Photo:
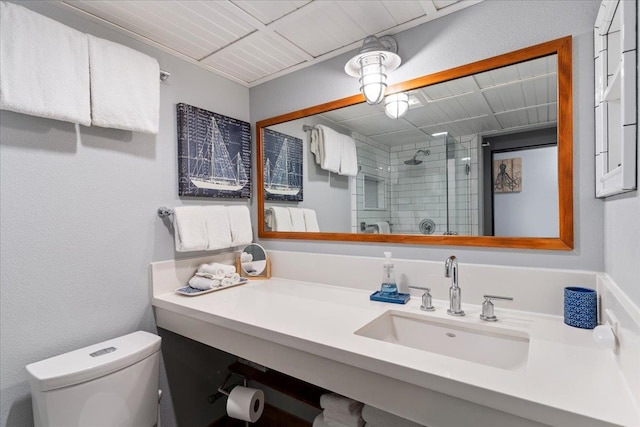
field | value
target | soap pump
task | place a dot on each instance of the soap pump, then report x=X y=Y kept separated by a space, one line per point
x=389 y=287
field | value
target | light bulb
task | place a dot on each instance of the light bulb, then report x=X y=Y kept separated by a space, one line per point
x=372 y=77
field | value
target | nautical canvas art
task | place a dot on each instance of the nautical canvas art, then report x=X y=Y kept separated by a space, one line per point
x=214 y=154
x=282 y=166
x=507 y=175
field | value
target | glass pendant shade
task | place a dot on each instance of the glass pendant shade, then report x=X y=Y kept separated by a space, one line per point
x=376 y=58
x=396 y=105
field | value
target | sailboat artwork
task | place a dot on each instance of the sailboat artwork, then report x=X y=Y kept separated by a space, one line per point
x=282 y=166
x=214 y=154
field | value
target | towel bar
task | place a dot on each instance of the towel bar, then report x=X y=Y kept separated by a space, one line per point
x=164 y=212
x=307 y=128
x=164 y=75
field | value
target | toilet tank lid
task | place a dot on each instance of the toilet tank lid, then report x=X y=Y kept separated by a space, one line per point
x=92 y=362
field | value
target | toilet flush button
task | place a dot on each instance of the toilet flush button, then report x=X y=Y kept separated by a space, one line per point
x=103 y=352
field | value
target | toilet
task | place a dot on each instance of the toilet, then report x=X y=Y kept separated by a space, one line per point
x=114 y=383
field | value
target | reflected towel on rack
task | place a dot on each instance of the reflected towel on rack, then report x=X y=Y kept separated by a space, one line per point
x=383 y=227
x=190 y=229
x=329 y=148
x=281 y=219
x=125 y=88
x=314 y=145
x=310 y=220
x=297 y=219
x=240 y=225
x=348 y=157
x=218 y=229
x=45 y=66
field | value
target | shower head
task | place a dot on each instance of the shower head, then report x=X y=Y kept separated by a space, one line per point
x=414 y=160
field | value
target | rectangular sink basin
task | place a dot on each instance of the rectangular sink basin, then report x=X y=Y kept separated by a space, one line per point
x=484 y=344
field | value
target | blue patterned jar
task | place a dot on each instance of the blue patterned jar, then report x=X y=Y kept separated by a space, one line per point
x=580 y=307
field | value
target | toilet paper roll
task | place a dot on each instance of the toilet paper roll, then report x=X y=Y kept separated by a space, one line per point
x=245 y=403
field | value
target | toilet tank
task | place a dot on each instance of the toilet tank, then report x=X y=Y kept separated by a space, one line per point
x=113 y=383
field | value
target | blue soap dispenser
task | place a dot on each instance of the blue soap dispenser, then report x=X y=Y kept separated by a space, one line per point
x=389 y=287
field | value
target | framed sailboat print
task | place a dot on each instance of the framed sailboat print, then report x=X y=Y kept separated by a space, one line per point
x=214 y=154
x=282 y=166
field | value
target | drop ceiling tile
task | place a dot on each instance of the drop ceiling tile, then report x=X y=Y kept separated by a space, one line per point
x=403 y=137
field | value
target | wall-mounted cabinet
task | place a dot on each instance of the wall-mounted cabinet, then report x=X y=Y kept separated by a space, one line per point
x=615 y=45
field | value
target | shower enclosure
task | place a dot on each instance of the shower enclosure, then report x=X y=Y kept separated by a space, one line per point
x=418 y=188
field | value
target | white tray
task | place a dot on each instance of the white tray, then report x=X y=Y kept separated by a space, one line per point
x=192 y=292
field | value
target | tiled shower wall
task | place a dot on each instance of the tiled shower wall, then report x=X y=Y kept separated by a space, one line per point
x=417 y=192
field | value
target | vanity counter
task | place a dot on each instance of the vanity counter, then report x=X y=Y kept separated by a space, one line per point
x=307 y=330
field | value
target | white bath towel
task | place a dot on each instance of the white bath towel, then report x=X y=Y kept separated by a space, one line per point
x=281 y=219
x=125 y=87
x=240 y=224
x=45 y=67
x=319 y=421
x=310 y=220
x=203 y=283
x=337 y=403
x=190 y=229
x=217 y=269
x=340 y=419
x=297 y=219
x=379 y=418
x=218 y=229
x=349 y=157
x=383 y=227
x=313 y=145
x=329 y=148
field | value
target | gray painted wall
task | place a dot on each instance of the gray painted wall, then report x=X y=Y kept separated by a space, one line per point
x=480 y=31
x=79 y=229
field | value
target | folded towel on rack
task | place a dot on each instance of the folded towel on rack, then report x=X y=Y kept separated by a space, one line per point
x=45 y=66
x=348 y=157
x=297 y=219
x=125 y=87
x=281 y=219
x=335 y=418
x=314 y=145
x=310 y=220
x=329 y=148
x=383 y=227
x=190 y=229
x=218 y=228
x=240 y=224
x=378 y=417
x=338 y=403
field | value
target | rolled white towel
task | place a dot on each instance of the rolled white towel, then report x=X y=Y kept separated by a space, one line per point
x=228 y=281
x=319 y=421
x=378 y=417
x=246 y=257
x=235 y=277
x=217 y=269
x=203 y=283
x=210 y=276
x=338 y=403
x=340 y=419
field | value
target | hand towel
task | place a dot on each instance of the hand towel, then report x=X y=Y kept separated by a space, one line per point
x=330 y=148
x=125 y=87
x=383 y=227
x=339 y=419
x=313 y=146
x=45 y=67
x=190 y=229
x=281 y=219
x=203 y=283
x=240 y=224
x=297 y=219
x=218 y=229
x=319 y=421
x=348 y=157
x=378 y=417
x=310 y=220
x=338 y=403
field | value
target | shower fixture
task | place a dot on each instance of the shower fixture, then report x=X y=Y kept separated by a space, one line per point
x=414 y=160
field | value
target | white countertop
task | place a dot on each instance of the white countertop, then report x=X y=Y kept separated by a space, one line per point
x=566 y=370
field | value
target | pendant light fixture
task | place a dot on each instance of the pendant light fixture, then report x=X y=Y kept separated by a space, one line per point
x=377 y=57
x=396 y=105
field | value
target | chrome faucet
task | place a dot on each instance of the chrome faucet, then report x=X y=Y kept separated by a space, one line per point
x=455 y=294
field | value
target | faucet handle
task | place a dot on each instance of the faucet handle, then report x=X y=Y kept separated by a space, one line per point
x=487 y=307
x=426 y=298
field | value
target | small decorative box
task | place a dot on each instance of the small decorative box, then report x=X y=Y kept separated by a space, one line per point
x=580 y=307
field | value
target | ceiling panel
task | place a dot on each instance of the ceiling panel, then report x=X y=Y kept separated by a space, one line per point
x=212 y=33
x=403 y=137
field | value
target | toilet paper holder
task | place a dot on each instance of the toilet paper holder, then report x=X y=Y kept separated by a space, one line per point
x=222 y=390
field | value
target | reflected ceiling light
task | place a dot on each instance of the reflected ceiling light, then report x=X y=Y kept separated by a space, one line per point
x=377 y=57
x=396 y=105
x=439 y=133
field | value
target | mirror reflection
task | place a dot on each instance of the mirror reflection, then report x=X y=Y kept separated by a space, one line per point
x=472 y=156
x=477 y=155
x=253 y=260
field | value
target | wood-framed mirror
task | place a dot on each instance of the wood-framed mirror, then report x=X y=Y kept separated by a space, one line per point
x=504 y=84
